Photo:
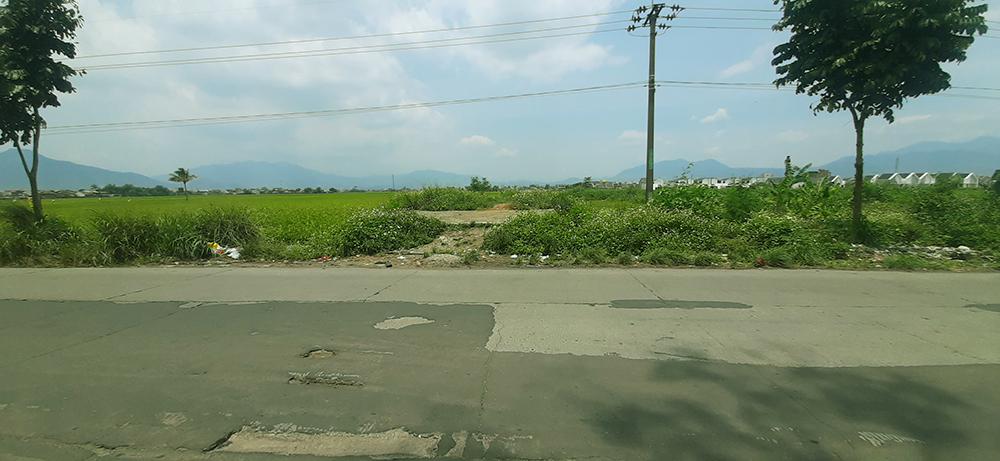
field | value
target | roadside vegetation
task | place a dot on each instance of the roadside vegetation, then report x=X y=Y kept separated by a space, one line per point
x=792 y=223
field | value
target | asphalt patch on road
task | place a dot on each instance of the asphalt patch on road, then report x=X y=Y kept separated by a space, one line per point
x=325 y=379
x=672 y=304
x=319 y=354
x=986 y=307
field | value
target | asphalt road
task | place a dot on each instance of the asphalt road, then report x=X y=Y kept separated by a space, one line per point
x=588 y=364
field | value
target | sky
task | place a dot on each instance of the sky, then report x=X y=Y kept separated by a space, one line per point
x=543 y=138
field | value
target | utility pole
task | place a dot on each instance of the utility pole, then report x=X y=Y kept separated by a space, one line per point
x=651 y=20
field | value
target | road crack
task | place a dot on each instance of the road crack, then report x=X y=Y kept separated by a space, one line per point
x=411 y=274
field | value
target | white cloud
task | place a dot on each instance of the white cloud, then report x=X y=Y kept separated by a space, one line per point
x=477 y=139
x=632 y=135
x=721 y=114
x=792 y=136
x=761 y=56
x=713 y=150
x=505 y=152
x=913 y=118
x=719 y=134
x=541 y=60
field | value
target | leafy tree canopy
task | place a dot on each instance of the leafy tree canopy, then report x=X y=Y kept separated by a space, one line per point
x=32 y=34
x=869 y=56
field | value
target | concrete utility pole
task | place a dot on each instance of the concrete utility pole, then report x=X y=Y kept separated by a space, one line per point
x=651 y=20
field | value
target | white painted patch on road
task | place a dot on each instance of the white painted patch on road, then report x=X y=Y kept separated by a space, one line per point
x=191 y=305
x=402 y=322
x=395 y=443
x=878 y=439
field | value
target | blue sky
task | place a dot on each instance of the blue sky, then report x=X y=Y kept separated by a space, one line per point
x=550 y=138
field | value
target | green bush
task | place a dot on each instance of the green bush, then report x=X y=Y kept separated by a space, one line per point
x=442 y=199
x=228 y=226
x=127 y=237
x=706 y=258
x=470 y=257
x=386 y=229
x=541 y=200
x=592 y=255
x=665 y=257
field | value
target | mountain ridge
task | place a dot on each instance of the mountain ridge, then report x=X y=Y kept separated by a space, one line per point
x=980 y=155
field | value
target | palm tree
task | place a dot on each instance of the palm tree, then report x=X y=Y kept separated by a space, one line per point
x=183 y=176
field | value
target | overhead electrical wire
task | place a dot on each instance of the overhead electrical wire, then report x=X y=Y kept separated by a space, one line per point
x=419 y=45
x=125 y=126
x=404 y=46
x=186 y=13
x=206 y=121
x=357 y=37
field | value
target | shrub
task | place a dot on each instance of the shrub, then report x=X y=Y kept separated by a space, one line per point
x=126 y=237
x=384 y=229
x=592 y=255
x=441 y=199
x=228 y=226
x=541 y=200
x=706 y=258
x=665 y=256
x=470 y=257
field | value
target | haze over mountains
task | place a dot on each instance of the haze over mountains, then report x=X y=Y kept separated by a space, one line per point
x=980 y=156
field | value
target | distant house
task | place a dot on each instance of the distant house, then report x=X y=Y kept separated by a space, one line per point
x=926 y=179
x=968 y=179
x=657 y=183
x=837 y=181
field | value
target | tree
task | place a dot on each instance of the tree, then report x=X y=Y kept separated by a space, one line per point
x=868 y=57
x=183 y=176
x=479 y=185
x=32 y=32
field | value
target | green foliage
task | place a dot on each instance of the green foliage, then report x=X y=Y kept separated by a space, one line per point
x=870 y=56
x=32 y=33
x=231 y=226
x=129 y=190
x=541 y=200
x=592 y=255
x=386 y=229
x=632 y=195
x=470 y=257
x=665 y=257
x=706 y=258
x=480 y=185
x=442 y=199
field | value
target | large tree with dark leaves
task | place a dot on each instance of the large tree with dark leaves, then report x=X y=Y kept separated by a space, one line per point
x=32 y=34
x=869 y=56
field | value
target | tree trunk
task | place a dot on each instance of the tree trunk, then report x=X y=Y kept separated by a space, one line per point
x=859 y=175
x=32 y=172
x=185 y=192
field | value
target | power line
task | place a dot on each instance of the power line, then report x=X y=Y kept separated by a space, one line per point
x=420 y=45
x=186 y=13
x=126 y=126
x=204 y=121
x=357 y=37
x=417 y=45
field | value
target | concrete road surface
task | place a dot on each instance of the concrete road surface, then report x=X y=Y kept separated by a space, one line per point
x=588 y=364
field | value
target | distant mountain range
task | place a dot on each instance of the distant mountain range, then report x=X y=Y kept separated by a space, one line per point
x=62 y=175
x=980 y=156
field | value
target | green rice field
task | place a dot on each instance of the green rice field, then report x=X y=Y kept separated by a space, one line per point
x=288 y=218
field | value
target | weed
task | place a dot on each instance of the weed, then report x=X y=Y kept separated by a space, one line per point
x=384 y=229
x=470 y=257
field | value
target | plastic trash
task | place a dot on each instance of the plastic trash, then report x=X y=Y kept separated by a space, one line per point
x=221 y=250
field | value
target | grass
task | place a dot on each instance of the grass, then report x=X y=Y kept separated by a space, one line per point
x=763 y=226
